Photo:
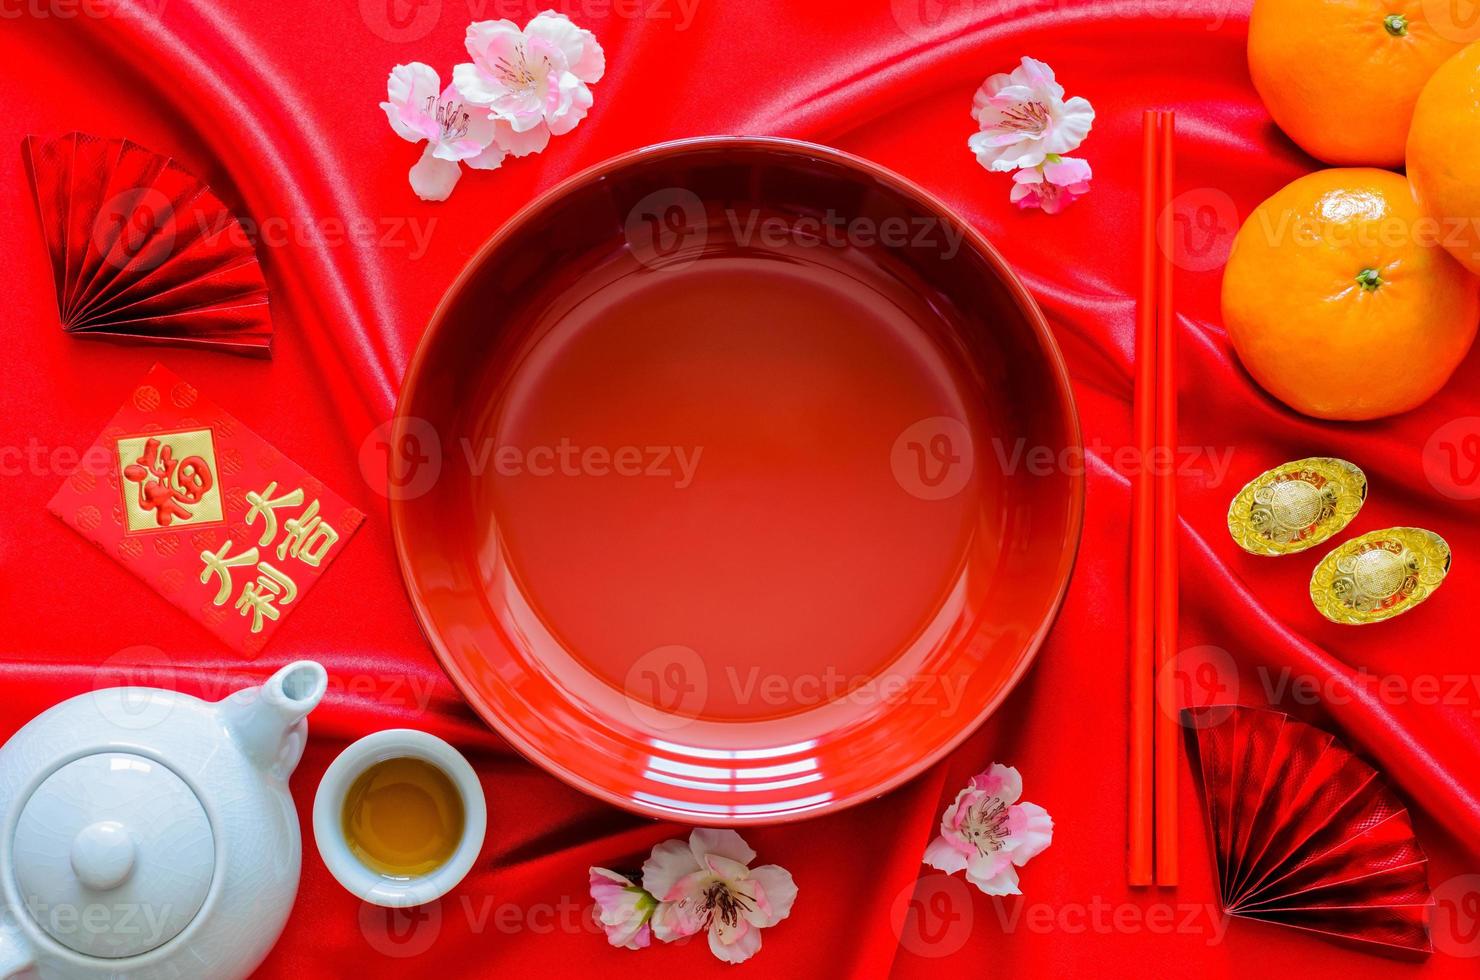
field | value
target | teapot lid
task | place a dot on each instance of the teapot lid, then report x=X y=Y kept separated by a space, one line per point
x=113 y=854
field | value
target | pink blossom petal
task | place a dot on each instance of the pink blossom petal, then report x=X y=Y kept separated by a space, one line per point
x=1031 y=832
x=1067 y=171
x=942 y=855
x=520 y=144
x=722 y=867
x=491 y=158
x=1003 y=782
x=780 y=891
x=671 y=862
x=433 y=179
x=726 y=843
x=407 y=89
x=743 y=944
x=576 y=102
x=1005 y=882
x=579 y=48
x=671 y=921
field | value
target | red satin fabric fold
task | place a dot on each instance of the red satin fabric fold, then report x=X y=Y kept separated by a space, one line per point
x=275 y=105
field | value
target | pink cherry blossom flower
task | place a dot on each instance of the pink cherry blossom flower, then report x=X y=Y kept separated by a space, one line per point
x=420 y=109
x=708 y=884
x=534 y=81
x=988 y=834
x=1023 y=117
x=1053 y=185
x=623 y=908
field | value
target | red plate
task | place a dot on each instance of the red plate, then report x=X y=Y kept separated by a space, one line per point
x=737 y=480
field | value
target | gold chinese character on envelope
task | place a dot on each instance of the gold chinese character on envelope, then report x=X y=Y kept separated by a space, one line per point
x=207 y=512
x=169 y=480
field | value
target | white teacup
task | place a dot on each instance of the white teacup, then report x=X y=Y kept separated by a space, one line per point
x=328 y=822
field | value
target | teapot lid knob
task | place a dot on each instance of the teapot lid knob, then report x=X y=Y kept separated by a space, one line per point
x=103 y=855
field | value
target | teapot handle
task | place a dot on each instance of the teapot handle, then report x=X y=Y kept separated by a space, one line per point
x=16 y=959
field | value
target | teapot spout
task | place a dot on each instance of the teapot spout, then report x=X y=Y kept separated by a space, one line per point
x=269 y=722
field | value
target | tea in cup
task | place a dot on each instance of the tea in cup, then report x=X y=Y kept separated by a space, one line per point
x=399 y=818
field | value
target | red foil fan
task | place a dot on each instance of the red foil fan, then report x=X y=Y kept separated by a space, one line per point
x=141 y=249
x=1305 y=834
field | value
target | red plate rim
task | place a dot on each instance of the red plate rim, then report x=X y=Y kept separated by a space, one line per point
x=1026 y=304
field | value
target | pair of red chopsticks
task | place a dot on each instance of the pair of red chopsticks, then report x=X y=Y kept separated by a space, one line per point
x=1155 y=735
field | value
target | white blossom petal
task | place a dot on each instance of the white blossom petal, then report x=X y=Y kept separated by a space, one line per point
x=671 y=862
x=433 y=179
x=741 y=948
x=726 y=843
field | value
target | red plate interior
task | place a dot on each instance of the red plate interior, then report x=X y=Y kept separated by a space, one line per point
x=721 y=486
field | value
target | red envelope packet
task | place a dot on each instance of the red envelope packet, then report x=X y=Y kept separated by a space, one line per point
x=205 y=511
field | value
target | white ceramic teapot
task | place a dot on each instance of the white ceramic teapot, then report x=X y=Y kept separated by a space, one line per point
x=147 y=834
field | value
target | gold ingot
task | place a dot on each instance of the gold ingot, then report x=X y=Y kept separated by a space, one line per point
x=1296 y=506
x=1379 y=575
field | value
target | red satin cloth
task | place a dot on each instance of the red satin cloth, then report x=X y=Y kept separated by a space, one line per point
x=275 y=104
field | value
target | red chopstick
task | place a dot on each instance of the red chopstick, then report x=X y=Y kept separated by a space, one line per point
x=1167 y=736
x=1143 y=530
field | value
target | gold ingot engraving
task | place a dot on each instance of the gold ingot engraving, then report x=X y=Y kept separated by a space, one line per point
x=1379 y=575
x=1296 y=506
